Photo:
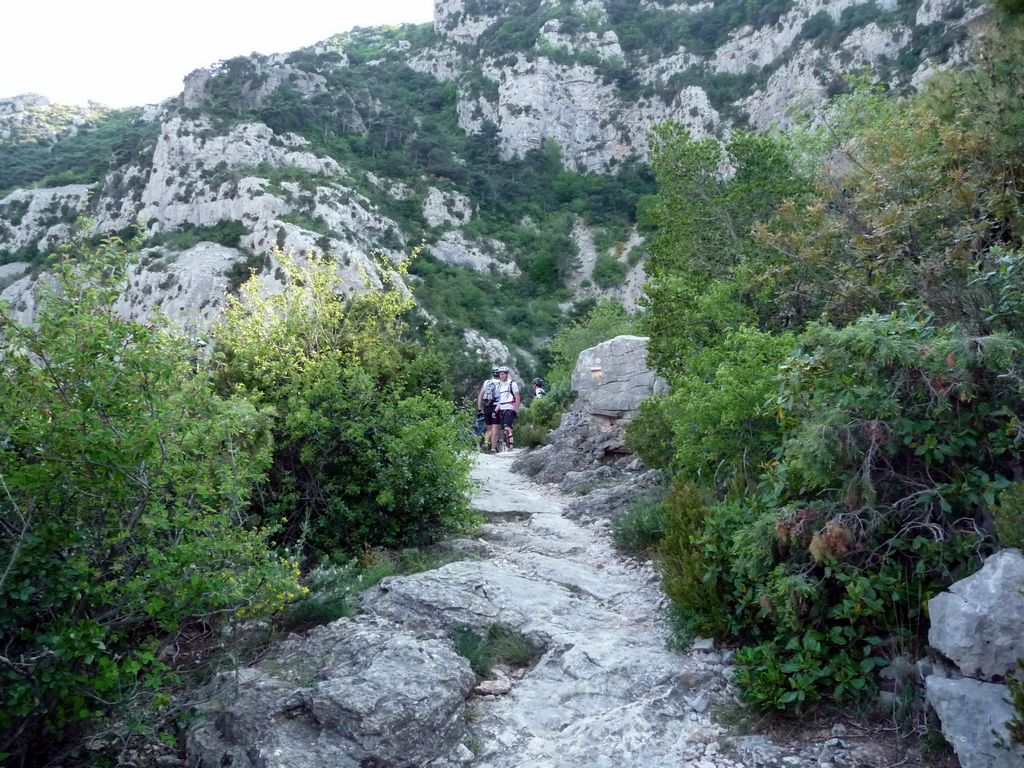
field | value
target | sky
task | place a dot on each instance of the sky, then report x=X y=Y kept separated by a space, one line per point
x=129 y=53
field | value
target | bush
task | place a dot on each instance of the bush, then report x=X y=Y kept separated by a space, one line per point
x=609 y=272
x=1009 y=516
x=367 y=452
x=124 y=481
x=695 y=558
x=641 y=529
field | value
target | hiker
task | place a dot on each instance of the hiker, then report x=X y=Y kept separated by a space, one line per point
x=487 y=404
x=538 y=388
x=509 y=400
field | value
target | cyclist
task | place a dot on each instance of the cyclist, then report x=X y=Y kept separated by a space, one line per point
x=487 y=404
x=509 y=400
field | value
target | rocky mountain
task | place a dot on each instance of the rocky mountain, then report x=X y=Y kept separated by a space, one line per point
x=510 y=137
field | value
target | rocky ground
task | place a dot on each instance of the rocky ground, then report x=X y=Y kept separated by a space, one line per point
x=386 y=688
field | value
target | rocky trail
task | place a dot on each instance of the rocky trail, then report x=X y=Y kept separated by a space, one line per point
x=386 y=688
x=606 y=691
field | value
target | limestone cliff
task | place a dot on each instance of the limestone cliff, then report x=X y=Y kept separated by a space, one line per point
x=377 y=140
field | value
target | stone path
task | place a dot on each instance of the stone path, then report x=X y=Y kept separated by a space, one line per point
x=386 y=688
x=606 y=691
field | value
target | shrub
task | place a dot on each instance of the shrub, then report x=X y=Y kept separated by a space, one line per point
x=641 y=529
x=367 y=451
x=1009 y=516
x=608 y=271
x=695 y=558
x=123 y=485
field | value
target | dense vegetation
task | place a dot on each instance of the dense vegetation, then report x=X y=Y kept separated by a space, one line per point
x=82 y=156
x=840 y=319
x=148 y=489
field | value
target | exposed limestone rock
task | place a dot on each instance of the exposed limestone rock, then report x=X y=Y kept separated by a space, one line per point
x=40 y=219
x=11 y=272
x=973 y=715
x=581 y=279
x=613 y=501
x=454 y=23
x=268 y=74
x=441 y=62
x=346 y=695
x=454 y=248
x=934 y=11
x=31 y=117
x=188 y=288
x=21 y=295
x=977 y=622
x=194 y=177
x=486 y=350
x=442 y=208
x=660 y=71
x=803 y=81
x=612 y=379
x=606 y=45
x=541 y=99
x=750 y=48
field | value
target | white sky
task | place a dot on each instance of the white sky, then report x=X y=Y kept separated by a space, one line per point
x=124 y=53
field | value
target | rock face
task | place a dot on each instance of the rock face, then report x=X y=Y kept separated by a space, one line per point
x=588 y=77
x=973 y=715
x=977 y=624
x=612 y=379
x=346 y=695
x=31 y=117
x=587 y=453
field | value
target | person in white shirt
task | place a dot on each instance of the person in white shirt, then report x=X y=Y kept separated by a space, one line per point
x=509 y=401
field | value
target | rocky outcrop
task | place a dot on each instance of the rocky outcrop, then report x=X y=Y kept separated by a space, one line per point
x=442 y=208
x=35 y=221
x=539 y=99
x=188 y=288
x=31 y=117
x=973 y=715
x=346 y=695
x=611 y=380
x=977 y=625
x=453 y=248
x=977 y=622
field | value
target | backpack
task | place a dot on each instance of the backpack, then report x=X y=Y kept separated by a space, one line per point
x=491 y=391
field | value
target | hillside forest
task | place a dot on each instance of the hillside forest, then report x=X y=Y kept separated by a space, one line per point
x=840 y=315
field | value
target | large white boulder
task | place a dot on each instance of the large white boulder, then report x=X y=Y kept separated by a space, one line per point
x=612 y=378
x=978 y=623
x=973 y=715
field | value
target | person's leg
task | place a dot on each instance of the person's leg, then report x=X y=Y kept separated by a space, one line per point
x=492 y=428
x=508 y=417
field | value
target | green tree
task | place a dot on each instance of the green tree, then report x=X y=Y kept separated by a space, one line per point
x=706 y=272
x=368 y=450
x=124 y=481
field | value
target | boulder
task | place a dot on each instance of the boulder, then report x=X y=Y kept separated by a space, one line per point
x=974 y=716
x=612 y=379
x=353 y=693
x=977 y=622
